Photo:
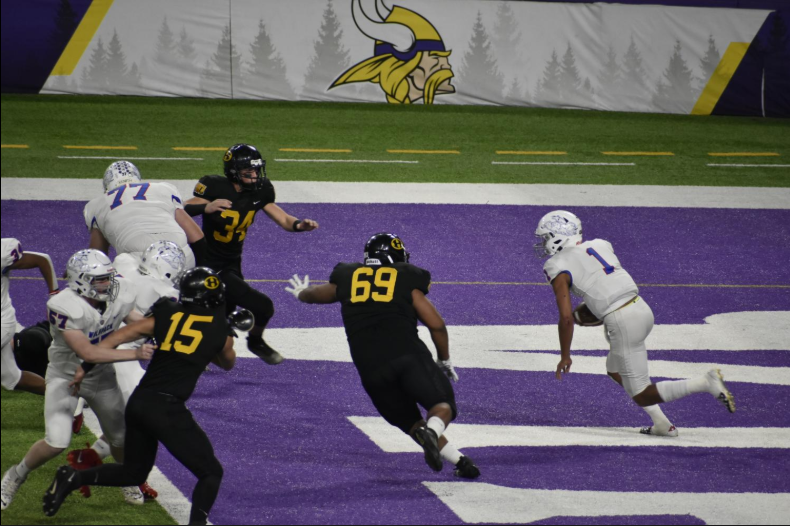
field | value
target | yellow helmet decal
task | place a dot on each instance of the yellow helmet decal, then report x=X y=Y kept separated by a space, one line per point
x=211 y=282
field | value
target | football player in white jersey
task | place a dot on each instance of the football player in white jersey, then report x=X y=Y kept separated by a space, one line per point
x=156 y=277
x=91 y=308
x=591 y=270
x=14 y=258
x=133 y=213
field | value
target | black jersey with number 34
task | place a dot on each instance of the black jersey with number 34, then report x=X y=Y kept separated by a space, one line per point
x=225 y=231
x=189 y=337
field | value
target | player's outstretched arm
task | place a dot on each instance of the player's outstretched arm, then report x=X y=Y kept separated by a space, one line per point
x=562 y=292
x=188 y=225
x=132 y=332
x=98 y=241
x=43 y=263
x=226 y=359
x=326 y=293
x=82 y=347
x=196 y=206
x=287 y=221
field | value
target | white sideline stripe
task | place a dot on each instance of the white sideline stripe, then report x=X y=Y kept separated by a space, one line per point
x=445 y=193
x=472 y=435
x=750 y=165
x=563 y=164
x=477 y=502
x=131 y=158
x=360 y=161
x=170 y=497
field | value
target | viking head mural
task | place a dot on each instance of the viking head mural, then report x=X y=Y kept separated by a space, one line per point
x=410 y=61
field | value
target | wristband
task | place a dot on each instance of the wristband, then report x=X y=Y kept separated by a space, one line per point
x=296 y=223
x=195 y=210
x=87 y=367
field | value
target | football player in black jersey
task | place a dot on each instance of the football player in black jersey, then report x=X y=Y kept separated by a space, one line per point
x=191 y=333
x=381 y=301
x=228 y=205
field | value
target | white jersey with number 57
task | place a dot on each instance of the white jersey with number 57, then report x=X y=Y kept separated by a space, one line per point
x=596 y=275
x=132 y=216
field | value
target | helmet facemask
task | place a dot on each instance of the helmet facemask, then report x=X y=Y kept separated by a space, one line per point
x=258 y=167
x=91 y=275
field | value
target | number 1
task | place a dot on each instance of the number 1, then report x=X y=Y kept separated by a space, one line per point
x=606 y=266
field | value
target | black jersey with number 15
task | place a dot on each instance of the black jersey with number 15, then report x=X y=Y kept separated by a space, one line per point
x=225 y=231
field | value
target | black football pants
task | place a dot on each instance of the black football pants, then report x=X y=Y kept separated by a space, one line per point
x=239 y=293
x=152 y=418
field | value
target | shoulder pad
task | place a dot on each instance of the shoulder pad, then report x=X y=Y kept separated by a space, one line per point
x=126 y=291
x=11 y=251
x=69 y=304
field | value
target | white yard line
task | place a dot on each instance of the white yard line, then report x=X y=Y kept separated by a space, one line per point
x=170 y=497
x=549 y=195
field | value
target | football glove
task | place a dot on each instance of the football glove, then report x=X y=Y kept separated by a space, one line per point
x=447 y=368
x=297 y=285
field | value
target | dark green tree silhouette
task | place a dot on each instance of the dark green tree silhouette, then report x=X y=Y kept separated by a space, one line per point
x=94 y=76
x=267 y=72
x=548 y=88
x=710 y=61
x=570 y=80
x=610 y=77
x=480 y=76
x=115 y=67
x=675 y=93
x=330 y=58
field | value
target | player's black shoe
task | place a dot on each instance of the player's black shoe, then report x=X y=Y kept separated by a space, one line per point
x=60 y=488
x=430 y=444
x=466 y=469
x=262 y=350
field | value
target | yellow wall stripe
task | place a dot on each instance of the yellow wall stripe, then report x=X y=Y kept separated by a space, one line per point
x=315 y=150
x=100 y=147
x=199 y=149
x=456 y=152
x=744 y=154
x=649 y=154
x=720 y=79
x=81 y=38
x=16 y=146
x=505 y=152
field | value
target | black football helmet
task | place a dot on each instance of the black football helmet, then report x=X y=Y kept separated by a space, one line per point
x=200 y=286
x=386 y=248
x=241 y=156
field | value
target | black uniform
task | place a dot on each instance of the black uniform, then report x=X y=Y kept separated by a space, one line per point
x=156 y=411
x=396 y=368
x=225 y=233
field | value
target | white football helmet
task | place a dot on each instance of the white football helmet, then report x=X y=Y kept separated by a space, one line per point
x=120 y=172
x=90 y=274
x=557 y=230
x=163 y=260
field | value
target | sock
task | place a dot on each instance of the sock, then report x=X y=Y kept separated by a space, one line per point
x=670 y=391
x=660 y=421
x=102 y=448
x=450 y=454
x=437 y=424
x=22 y=471
x=80 y=407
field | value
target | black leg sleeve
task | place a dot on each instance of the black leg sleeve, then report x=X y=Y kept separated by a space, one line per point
x=240 y=293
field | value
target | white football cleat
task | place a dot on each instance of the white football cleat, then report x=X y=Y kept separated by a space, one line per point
x=132 y=495
x=9 y=488
x=671 y=432
x=719 y=389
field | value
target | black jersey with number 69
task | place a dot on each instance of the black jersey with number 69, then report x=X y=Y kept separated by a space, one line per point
x=225 y=231
x=189 y=337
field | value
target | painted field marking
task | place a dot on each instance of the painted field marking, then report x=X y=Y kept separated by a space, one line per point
x=170 y=497
x=562 y=164
x=15 y=146
x=473 y=435
x=199 y=149
x=749 y=165
x=505 y=152
x=479 y=502
x=429 y=152
x=132 y=158
x=78 y=147
x=744 y=154
x=358 y=161
x=647 y=154
x=315 y=150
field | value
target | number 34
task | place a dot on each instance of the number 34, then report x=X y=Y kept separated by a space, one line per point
x=383 y=278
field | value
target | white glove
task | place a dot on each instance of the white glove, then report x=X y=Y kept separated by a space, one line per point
x=297 y=285
x=447 y=368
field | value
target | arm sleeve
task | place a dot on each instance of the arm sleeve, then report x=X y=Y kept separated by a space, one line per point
x=335 y=277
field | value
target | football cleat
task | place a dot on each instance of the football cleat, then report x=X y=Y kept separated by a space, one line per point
x=132 y=495
x=262 y=350
x=719 y=389
x=148 y=492
x=430 y=444
x=76 y=425
x=671 y=432
x=8 y=488
x=82 y=459
x=60 y=488
x=466 y=469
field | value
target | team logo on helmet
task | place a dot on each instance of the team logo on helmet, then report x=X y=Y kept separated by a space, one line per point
x=211 y=282
x=397 y=244
x=228 y=156
x=410 y=59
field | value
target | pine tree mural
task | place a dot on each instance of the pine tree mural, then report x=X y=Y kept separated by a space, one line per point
x=479 y=76
x=709 y=62
x=185 y=50
x=634 y=79
x=570 y=80
x=548 y=88
x=506 y=39
x=675 y=93
x=165 y=46
x=610 y=77
x=222 y=74
x=267 y=73
x=94 y=76
x=116 y=64
x=330 y=58
x=514 y=93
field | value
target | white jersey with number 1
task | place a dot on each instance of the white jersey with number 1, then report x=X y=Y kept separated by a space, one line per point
x=596 y=275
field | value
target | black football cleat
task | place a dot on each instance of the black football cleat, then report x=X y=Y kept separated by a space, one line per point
x=262 y=350
x=430 y=444
x=60 y=488
x=466 y=469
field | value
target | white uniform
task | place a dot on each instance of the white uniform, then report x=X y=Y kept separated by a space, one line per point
x=612 y=295
x=133 y=216
x=70 y=311
x=11 y=252
x=149 y=290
